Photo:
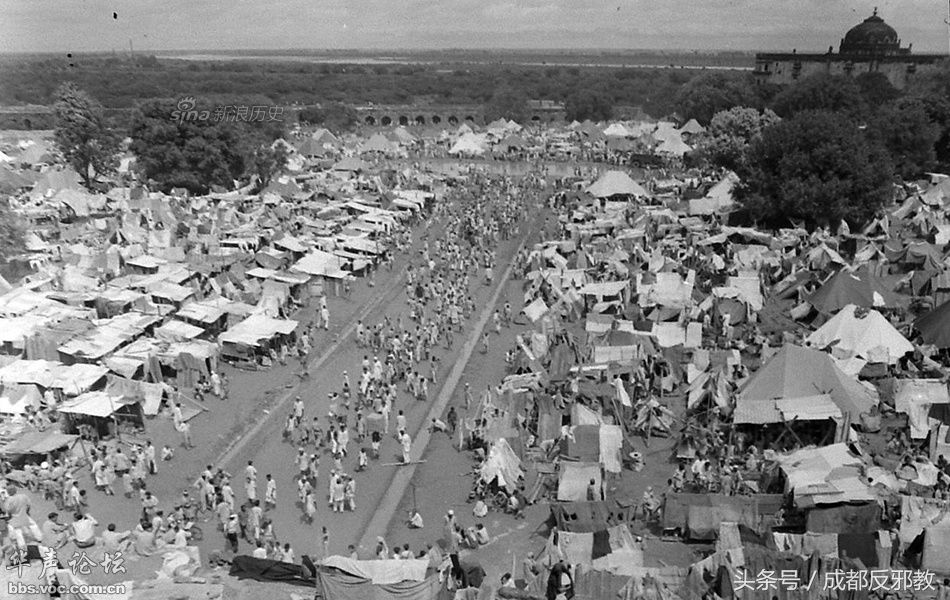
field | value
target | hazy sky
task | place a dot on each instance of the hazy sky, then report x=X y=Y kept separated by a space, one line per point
x=86 y=25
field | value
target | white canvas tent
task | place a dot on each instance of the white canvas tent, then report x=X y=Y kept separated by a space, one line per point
x=502 y=463
x=868 y=335
x=256 y=329
x=616 y=183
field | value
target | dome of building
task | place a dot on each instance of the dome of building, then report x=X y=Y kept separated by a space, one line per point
x=872 y=36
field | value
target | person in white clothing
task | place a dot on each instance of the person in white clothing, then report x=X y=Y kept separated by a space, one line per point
x=406 y=447
x=270 y=494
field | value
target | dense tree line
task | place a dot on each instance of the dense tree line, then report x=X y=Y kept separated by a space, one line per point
x=825 y=148
x=202 y=152
x=122 y=83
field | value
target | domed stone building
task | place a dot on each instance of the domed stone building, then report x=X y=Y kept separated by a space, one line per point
x=869 y=46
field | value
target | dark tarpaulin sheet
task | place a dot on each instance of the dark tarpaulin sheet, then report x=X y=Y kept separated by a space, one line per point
x=862 y=546
x=259 y=569
x=333 y=584
x=676 y=507
x=846 y=518
x=601 y=546
x=585 y=446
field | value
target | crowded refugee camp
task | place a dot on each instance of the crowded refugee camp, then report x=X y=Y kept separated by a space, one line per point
x=469 y=361
x=578 y=380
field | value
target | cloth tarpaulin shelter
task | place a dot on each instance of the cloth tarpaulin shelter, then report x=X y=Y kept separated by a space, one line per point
x=844 y=518
x=616 y=183
x=809 y=408
x=504 y=464
x=806 y=544
x=936 y=550
x=38 y=442
x=15 y=399
x=257 y=328
x=868 y=335
x=260 y=569
x=612 y=549
x=750 y=511
x=321 y=263
x=72 y=379
x=334 y=584
x=574 y=479
x=535 y=310
x=914 y=397
x=95 y=404
x=934 y=327
x=859 y=288
x=604 y=289
x=826 y=475
x=150 y=394
x=796 y=372
x=918 y=513
x=381 y=572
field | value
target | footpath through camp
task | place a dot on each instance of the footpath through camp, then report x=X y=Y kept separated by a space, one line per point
x=498 y=362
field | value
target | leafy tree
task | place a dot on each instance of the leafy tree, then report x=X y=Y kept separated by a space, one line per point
x=815 y=166
x=731 y=131
x=335 y=116
x=932 y=89
x=267 y=161
x=11 y=233
x=507 y=103
x=82 y=135
x=707 y=94
x=190 y=153
x=310 y=115
x=588 y=104
x=905 y=129
x=821 y=92
x=876 y=88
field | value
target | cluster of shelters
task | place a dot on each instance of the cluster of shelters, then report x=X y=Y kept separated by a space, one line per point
x=799 y=378
x=131 y=298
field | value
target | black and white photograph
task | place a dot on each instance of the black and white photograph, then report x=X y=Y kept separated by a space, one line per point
x=475 y=300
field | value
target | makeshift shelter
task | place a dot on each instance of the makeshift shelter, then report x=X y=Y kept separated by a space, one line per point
x=351 y=164
x=796 y=372
x=863 y=333
x=378 y=143
x=699 y=516
x=652 y=418
x=936 y=547
x=828 y=475
x=101 y=412
x=321 y=264
x=915 y=398
x=38 y=443
x=575 y=478
x=692 y=127
x=595 y=442
x=252 y=334
x=673 y=147
x=470 y=144
x=610 y=549
x=934 y=326
x=340 y=578
x=502 y=466
x=859 y=288
x=616 y=183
